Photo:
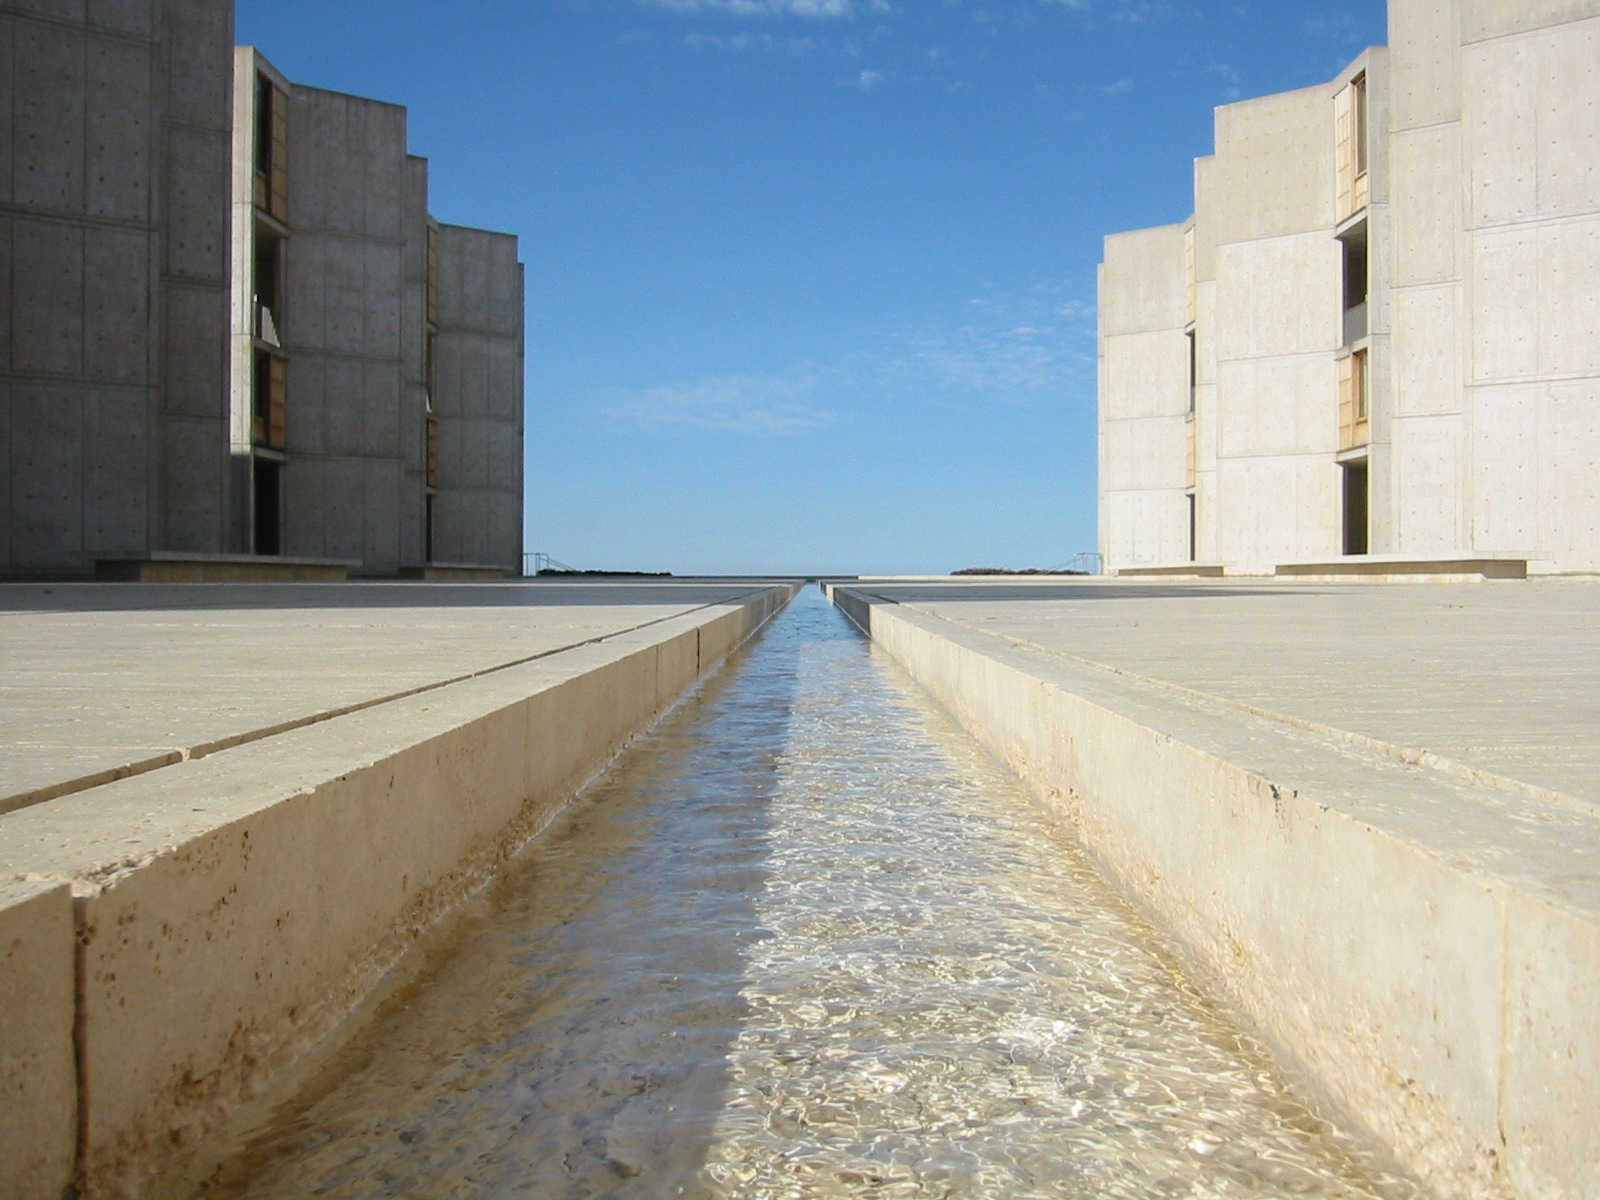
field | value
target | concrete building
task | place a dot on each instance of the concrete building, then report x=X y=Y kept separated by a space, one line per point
x=376 y=404
x=113 y=280
x=1374 y=336
x=223 y=294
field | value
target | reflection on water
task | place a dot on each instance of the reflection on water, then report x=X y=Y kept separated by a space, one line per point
x=805 y=941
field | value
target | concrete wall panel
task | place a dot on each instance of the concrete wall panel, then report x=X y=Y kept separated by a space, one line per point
x=194 y=479
x=1424 y=62
x=1505 y=471
x=1274 y=166
x=47 y=268
x=1277 y=509
x=195 y=383
x=116 y=446
x=1281 y=295
x=1145 y=375
x=1425 y=206
x=1430 y=501
x=46 y=473
x=1427 y=362
x=120 y=115
x=1145 y=454
x=1277 y=406
x=1506 y=304
x=1483 y=19
x=1142 y=285
x=1149 y=528
x=117 y=291
x=1569 y=296
x=38 y=1071
x=199 y=62
x=47 y=111
x=196 y=204
x=135 y=18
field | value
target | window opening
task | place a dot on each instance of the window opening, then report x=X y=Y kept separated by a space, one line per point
x=1193 y=368
x=1355 y=507
x=267 y=531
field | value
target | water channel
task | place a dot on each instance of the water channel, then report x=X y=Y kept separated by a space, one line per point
x=806 y=940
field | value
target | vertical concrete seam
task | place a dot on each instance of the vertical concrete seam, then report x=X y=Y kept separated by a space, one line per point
x=80 y=1047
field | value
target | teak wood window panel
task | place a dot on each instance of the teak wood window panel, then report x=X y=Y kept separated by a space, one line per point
x=1350 y=147
x=269 y=424
x=1355 y=421
x=272 y=149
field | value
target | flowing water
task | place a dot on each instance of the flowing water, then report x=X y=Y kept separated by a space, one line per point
x=806 y=940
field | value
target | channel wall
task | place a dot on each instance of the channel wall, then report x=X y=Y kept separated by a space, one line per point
x=1421 y=947
x=172 y=942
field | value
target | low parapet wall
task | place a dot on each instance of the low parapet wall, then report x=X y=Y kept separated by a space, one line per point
x=1422 y=947
x=226 y=913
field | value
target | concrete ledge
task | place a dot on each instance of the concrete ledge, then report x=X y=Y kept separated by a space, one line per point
x=458 y=571
x=1177 y=571
x=38 y=1072
x=1422 y=948
x=1392 y=568
x=232 y=910
x=172 y=567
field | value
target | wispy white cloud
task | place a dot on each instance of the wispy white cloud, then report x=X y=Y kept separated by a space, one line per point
x=868 y=80
x=739 y=43
x=1038 y=348
x=765 y=405
x=1125 y=84
x=812 y=9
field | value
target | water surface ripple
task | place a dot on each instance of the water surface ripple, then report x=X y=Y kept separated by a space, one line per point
x=807 y=940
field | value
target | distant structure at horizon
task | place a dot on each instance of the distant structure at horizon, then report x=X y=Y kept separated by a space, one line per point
x=240 y=346
x=1377 y=333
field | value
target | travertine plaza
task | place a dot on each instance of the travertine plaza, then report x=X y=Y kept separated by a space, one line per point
x=239 y=344
x=1376 y=334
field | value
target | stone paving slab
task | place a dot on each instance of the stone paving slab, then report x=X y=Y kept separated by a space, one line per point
x=1501 y=678
x=100 y=681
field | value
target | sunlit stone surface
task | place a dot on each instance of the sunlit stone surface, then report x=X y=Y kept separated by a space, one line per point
x=806 y=941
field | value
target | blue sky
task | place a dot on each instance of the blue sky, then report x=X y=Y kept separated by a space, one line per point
x=810 y=282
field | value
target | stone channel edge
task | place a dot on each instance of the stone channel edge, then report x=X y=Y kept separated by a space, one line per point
x=168 y=941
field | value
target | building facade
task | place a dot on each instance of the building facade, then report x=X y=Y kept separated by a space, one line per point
x=1374 y=336
x=229 y=306
x=113 y=280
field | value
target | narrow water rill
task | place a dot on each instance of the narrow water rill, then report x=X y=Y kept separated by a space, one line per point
x=807 y=939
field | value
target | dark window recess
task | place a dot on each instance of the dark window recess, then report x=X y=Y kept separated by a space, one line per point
x=264 y=97
x=427 y=529
x=261 y=398
x=1193 y=368
x=1355 y=508
x=269 y=282
x=1355 y=285
x=1192 y=553
x=267 y=540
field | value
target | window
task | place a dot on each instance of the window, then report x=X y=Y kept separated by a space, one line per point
x=269 y=288
x=1355 y=507
x=272 y=148
x=267 y=401
x=1354 y=248
x=266 y=502
x=1359 y=386
x=1358 y=89
x=1192 y=557
x=1193 y=369
x=1351 y=148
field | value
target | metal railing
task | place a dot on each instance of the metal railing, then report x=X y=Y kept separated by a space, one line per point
x=1085 y=562
x=538 y=562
